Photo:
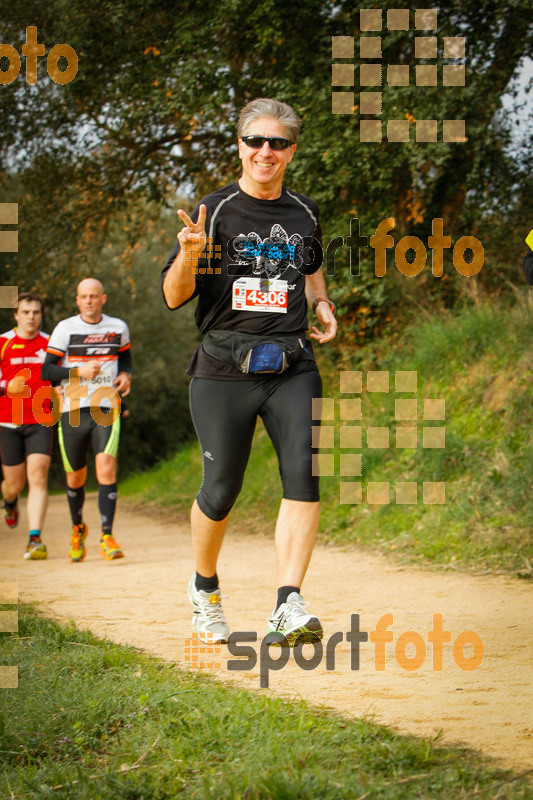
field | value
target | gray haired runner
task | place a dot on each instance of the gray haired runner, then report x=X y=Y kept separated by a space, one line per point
x=254 y=281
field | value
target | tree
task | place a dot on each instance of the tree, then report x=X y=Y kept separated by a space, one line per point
x=154 y=107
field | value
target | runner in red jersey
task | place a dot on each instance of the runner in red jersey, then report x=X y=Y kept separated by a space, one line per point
x=25 y=444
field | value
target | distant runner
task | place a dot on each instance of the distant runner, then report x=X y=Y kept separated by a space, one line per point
x=256 y=359
x=93 y=350
x=25 y=444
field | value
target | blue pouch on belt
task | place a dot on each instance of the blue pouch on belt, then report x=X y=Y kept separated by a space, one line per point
x=265 y=358
x=251 y=354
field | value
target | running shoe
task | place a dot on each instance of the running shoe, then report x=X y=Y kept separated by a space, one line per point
x=208 y=619
x=11 y=514
x=36 y=550
x=77 y=542
x=109 y=548
x=293 y=622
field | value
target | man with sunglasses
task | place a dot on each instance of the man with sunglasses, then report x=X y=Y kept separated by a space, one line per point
x=251 y=253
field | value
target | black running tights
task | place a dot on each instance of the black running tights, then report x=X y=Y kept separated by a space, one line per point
x=224 y=415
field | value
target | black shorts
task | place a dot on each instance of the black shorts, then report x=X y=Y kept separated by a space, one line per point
x=17 y=443
x=224 y=415
x=74 y=440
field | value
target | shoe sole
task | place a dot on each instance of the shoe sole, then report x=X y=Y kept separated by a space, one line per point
x=113 y=557
x=309 y=634
x=208 y=638
x=36 y=556
x=210 y=641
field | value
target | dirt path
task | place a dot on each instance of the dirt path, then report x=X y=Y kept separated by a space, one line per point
x=141 y=600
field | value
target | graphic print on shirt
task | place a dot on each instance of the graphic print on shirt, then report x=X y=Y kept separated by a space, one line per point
x=272 y=256
x=36 y=358
x=85 y=347
x=16 y=355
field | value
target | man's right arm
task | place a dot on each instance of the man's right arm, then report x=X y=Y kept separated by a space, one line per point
x=179 y=279
x=52 y=371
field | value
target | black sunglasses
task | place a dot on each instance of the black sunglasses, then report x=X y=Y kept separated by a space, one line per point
x=274 y=142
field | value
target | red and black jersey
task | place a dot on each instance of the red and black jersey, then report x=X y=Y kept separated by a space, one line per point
x=17 y=354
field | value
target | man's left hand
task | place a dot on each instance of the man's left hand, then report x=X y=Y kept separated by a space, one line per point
x=326 y=317
x=122 y=384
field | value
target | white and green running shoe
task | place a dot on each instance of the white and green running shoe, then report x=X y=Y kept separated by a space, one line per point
x=293 y=622
x=208 y=619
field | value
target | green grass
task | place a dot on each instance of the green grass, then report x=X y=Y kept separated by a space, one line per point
x=480 y=361
x=94 y=720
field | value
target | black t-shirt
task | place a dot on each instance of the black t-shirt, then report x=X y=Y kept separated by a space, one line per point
x=258 y=254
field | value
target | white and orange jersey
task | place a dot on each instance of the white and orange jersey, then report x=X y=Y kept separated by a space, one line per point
x=77 y=341
x=21 y=355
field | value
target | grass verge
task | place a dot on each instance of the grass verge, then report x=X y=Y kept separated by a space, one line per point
x=480 y=362
x=91 y=719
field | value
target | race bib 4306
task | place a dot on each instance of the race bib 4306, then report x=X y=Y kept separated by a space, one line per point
x=258 y=294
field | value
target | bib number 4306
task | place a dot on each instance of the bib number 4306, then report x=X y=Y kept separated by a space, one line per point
x=251 y=294
x=267 y=298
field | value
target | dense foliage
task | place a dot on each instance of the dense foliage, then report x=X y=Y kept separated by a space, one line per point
x=152 y=113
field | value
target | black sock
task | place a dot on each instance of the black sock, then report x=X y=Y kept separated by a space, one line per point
x=107 y=503
x=75 y=499
x=11 y=503
x=284 y=592
x=206 y=584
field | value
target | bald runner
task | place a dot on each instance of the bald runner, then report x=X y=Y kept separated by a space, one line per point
x=88 y=356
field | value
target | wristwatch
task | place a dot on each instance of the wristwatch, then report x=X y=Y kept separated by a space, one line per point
x=325 y=300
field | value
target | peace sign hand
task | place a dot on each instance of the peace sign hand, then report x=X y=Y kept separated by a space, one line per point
x=192 y=237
